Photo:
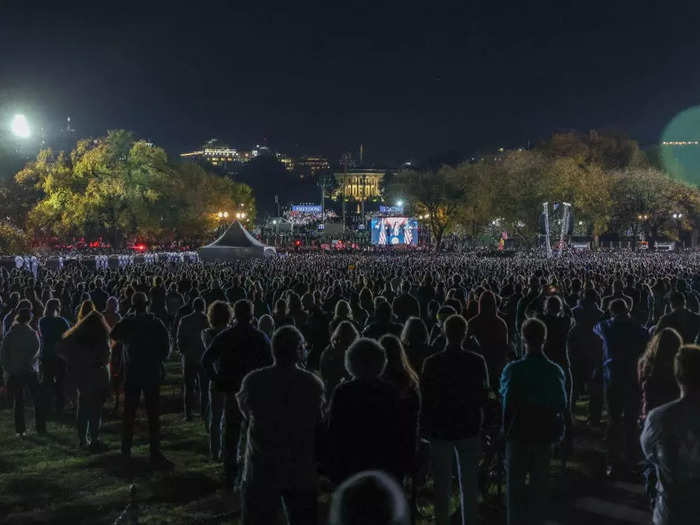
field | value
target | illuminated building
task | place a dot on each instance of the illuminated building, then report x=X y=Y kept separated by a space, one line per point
x=359 y=184
x=680 y=143
x=220 y=155
x=310 y=166
x=286 y=160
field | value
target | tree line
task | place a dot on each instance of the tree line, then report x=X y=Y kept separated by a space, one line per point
x=117 y=188
x=613 y=186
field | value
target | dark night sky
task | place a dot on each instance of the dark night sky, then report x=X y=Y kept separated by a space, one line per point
x=407 y=80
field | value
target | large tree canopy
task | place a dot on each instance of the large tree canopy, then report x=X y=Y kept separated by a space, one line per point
x=606 y=178
x=121 y=188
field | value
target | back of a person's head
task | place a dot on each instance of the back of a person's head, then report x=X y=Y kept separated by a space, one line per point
x=677 y=300
x=266 y=324
x=414 y=332
x=369 y=498
x=687 y=367
x=487 y=303
x=444 y=312
x=23 y=316
x=198 y=304
x=24 y=304
x=618 y=308
x=660 y=352
x=219 y=314
x=52 y=307
x=455 y=329
x=139 y=300
x=286 y=344
x=534 y=333
x=344 y=334
x=383 y=312
x=553 y=305
x=112 y=304
x=343 y=310
x=243 y=310
x=365 y=359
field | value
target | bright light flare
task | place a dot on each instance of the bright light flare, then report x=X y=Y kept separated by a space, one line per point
x=20 y=127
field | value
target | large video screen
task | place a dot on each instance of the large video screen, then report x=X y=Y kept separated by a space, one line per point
x=393 y=231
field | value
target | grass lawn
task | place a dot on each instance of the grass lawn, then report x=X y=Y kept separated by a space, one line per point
x=47 y=479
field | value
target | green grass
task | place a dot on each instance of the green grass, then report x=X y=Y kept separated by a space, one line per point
x=47 y=479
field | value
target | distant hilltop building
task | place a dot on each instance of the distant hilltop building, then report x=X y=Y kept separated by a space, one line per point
x=229 y=159
x=220 y=155
x=310 y=166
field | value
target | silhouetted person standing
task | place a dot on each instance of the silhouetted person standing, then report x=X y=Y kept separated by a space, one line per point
x=534 y=400
x=189 y=343
x=282 y=404
x=145 y=345
x=233 y=353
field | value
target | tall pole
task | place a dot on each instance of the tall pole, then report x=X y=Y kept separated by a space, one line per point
x=545 y=207
x=564 y=228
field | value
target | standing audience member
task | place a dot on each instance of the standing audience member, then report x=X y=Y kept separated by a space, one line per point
x=364 y=425
x=681 y=319
x=533 y=392
x=670 y=442
x=454 y=386
x=624 y=340
x=219 y=316
x=53 y=370
x=189 y=344
x=85 y=348
x=19 y=357
x=146 y=345
x=116 y=368
x=282 y=404
x=333 y=357
x=231 y=355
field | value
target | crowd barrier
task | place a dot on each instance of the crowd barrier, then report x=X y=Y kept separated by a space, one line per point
x=56 y=263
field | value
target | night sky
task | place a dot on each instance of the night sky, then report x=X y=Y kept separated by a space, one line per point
x=407 y=80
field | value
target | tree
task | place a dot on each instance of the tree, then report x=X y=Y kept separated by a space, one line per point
x=12 y=239
x=121 y=188
x=646 y=199
x=435 y=193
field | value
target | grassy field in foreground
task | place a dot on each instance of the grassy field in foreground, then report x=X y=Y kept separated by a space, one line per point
x=47 y=479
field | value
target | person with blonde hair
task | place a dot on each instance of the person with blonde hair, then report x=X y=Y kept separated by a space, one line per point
x=655 y=370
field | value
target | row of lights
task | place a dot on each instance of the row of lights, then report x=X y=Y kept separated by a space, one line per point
x=644 y=217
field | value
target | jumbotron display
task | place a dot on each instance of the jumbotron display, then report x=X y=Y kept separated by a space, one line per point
x=394 y=231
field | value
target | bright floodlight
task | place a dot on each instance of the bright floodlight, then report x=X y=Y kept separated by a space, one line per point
x=20 y=127
x=399 y=203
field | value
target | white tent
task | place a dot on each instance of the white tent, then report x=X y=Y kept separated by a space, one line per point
x=235 y=243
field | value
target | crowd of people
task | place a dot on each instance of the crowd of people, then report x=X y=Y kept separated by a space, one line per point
x=364 y=369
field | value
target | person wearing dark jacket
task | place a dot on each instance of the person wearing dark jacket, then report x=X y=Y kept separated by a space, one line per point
x=624 y=340
x=53 y=370
x=19 y=358
x=231 y=355
x=219 y=315
x=534 y=400
x=189 y=344
x=364 y=422
x=146 y=345
x=681 y=319
x=85 y=348
x=383 y=323
x=454 y=388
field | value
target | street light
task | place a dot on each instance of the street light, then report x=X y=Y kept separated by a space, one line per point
x=399 y=203
x=20 y=127
x=677 y=215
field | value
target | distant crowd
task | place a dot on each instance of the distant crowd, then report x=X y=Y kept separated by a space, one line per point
x=370 y=370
